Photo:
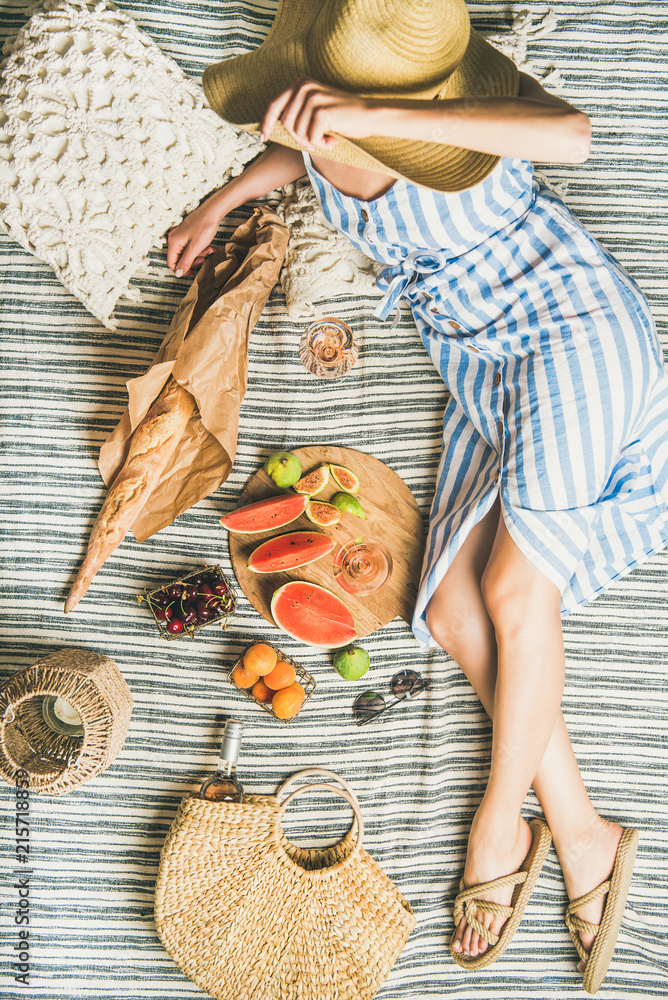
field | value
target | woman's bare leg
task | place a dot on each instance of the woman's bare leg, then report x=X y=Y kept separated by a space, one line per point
x=586 y=844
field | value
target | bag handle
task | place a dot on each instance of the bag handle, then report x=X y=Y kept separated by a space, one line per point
x=349 y=796
x=332 y=775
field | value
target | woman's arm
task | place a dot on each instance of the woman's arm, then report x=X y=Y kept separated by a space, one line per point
x=190 y=242
x=534 y=126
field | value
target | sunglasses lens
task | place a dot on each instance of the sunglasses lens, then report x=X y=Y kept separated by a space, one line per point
x=368 y=706
x=407 y=683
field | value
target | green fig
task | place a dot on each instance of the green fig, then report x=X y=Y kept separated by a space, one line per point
x=348 y=504
x=352 y=663
x=284 y=468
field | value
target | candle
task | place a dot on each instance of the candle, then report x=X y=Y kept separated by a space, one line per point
x=66 y=713
x=60 y=717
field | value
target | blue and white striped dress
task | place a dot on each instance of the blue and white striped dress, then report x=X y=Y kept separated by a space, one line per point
x=559 y=397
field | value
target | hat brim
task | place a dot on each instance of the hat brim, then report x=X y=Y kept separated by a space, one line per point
x=482 y=73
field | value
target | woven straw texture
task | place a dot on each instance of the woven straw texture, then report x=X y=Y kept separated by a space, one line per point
x=248 y=916
x=93 y=686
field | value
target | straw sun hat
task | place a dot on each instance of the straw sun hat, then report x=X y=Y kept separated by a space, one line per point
x=418 y=49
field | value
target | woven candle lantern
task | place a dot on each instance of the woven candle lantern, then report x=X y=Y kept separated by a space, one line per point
x=94 y=692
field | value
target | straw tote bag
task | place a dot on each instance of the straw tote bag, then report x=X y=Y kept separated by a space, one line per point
x=247 y=915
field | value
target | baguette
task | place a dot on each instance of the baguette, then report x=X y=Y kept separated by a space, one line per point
x=153 y=442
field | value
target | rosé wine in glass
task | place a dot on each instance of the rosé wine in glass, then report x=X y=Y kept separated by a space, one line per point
x=327 y=348
x=362 y=565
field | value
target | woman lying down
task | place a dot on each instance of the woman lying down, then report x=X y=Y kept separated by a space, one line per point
x=418 y=138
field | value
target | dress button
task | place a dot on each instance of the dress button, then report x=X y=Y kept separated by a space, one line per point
x=472 y=348
x=497 y=379
x=365 y=215
x=433 y=309
x=499 y=426
x=455 y=326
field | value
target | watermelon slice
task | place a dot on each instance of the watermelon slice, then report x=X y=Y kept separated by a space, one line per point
x=297 y=548
x=274 y=512
x=312 y=614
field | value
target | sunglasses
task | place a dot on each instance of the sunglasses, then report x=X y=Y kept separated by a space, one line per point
x=370 y=704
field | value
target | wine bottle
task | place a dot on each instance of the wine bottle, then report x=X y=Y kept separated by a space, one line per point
x=223 y=785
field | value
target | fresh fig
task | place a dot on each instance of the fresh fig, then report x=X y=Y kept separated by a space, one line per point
x=345 y=478
x=284 y=468
x=352 y=663
x=314 y=482
x=326 y=515
x=348 y=504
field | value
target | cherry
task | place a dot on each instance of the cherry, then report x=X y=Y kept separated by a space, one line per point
x=175 y=626
x=205 y=589
x=190 y=618
x=175 y=590
x=190 y=593
x=161 y=599
x=220 y=588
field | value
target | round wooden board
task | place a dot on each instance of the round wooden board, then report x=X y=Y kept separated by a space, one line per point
x=392 y=517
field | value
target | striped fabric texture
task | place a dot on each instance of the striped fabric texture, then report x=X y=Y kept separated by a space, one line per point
x=419 y=772
x=559 y=395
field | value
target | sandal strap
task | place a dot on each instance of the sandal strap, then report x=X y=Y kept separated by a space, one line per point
x=589 y=897
x=576 y=925
x=468 y=903
x=474 y=906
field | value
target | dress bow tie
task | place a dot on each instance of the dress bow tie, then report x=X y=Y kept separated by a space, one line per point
x=395 y=278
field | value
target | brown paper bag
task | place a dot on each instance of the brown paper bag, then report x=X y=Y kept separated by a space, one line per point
x=206 y=351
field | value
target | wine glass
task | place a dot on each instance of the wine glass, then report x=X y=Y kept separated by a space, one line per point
x=327 y=348
x=362 y=565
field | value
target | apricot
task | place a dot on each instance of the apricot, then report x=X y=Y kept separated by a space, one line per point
x=242 y=677
x=261 y=692
x=260 y=659
x=282 y=676
x=286 y=703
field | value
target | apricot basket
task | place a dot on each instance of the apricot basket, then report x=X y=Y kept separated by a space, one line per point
x=202 y=597
x=306 y=680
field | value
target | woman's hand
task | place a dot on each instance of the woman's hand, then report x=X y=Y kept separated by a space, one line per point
x=189 y=243
x=535 y=125
x=313 y=114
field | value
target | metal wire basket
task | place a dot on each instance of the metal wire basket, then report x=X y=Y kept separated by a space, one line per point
x=306 y=680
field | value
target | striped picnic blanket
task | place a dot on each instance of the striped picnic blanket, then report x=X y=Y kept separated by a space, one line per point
x=419 y=773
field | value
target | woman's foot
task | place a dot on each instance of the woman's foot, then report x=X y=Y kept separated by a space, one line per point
x=586 y=861
x=495 y=848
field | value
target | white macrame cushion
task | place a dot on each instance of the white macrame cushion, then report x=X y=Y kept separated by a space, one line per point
x=320 y=262
x=104 y=144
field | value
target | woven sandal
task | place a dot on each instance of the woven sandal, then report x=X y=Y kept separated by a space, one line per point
x=523 y=880
x=617 y=886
